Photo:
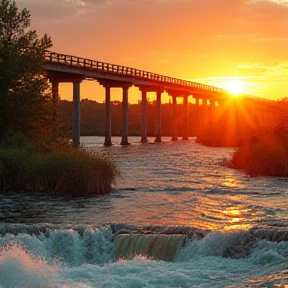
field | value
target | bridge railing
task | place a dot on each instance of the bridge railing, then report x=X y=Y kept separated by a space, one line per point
x=73 y=61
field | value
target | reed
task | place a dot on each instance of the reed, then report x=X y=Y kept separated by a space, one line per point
x=62 y=171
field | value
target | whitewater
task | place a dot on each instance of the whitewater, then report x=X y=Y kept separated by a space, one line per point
x=177 y=217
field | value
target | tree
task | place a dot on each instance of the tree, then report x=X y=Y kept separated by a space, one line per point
x=25 y=100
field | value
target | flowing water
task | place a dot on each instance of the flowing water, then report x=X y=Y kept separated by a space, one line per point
x=177 y=218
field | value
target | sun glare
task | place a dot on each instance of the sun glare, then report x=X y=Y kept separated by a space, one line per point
x=235 y=87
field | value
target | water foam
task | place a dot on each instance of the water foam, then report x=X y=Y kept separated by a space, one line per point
x=21 y=269
x=91 y=257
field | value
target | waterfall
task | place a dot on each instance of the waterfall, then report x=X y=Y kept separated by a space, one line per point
x=155 y=246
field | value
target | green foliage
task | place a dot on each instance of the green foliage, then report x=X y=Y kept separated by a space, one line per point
x=30 y=157
x=25 y=104
x=63 y=171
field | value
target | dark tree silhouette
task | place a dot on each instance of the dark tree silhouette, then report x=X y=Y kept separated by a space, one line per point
x=25 y=101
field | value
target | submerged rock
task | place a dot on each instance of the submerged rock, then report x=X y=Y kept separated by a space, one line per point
x=271 y=235
x=241 y=246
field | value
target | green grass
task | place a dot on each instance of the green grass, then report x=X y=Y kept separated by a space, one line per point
x=61 y=171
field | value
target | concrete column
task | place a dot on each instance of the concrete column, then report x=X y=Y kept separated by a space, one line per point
x=125 y=116
x=205 y=117
x=158 y=118
x=55 y=98
x=174 y=133
x=212 y=110
x=197 y=116
x=55 y=92
x=108 y=141
x=185 y=104
x=144 y=117
x=76 y=113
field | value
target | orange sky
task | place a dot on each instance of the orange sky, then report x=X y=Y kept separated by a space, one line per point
x=207 y=41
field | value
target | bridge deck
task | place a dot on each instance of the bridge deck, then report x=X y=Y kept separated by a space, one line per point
x=91 y=69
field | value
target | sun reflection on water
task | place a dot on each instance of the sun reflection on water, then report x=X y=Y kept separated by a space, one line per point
x=237 y=218
x=231 y=182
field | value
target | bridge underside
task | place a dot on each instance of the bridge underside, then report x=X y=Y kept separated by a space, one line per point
x=57 y=77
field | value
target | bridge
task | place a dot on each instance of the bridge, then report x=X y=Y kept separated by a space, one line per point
x=66 y=68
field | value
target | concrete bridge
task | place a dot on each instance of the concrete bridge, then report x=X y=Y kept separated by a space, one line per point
x=65 y=68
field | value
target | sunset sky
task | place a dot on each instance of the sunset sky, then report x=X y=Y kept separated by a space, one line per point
x=207 y=41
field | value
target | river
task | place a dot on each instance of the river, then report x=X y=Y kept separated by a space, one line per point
x=177 y=217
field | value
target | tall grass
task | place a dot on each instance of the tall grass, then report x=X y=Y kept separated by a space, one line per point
x=61 y=171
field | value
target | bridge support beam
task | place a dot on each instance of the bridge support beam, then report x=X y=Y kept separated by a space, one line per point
x=212 y=110
x=108 y=135
x=185 y=95
x=144 y=117
x=76 y=113
x=206 y=112
x=197 y=116
x=124 y=140
x=108 y=84
x=174 y=132
x=159 y=90
x=203 y=114
x=55 y=100
x=158 y=119
x=61 y=77
x=185 y=104
x=55 y=92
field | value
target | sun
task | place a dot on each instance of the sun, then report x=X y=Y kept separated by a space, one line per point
x=235 y=87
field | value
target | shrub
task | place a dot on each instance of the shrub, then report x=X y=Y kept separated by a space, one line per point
x=265 y=154
x=62 y=171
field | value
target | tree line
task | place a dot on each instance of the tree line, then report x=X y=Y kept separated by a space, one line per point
x=92 y=119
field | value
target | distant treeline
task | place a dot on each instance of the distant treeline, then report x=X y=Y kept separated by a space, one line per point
x=92 y=118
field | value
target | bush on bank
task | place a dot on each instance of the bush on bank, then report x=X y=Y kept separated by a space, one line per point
x=265 y=154
x=61 y=171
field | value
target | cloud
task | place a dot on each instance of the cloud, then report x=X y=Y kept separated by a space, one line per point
x=203 y=16
x=260 y=79
x=268 y=67
x=252 y=68
x=280 y=2
x=186 y=38
x=59 y=10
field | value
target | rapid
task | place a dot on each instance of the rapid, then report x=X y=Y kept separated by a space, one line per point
x=177 y=217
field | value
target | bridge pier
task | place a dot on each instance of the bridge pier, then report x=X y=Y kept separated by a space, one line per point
x=159 y=90
x=185 y=104
x=55 y=100
x=174 y=94
x=205 y=112
x=197 y=116
x=174 y=132
x=76 y=113
x=212 y=110
x=158 y=118
x=108 y=134
x=55 y=91
x=108 y=84
x=144 y=117
x=58 y=77
x=124 y=140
